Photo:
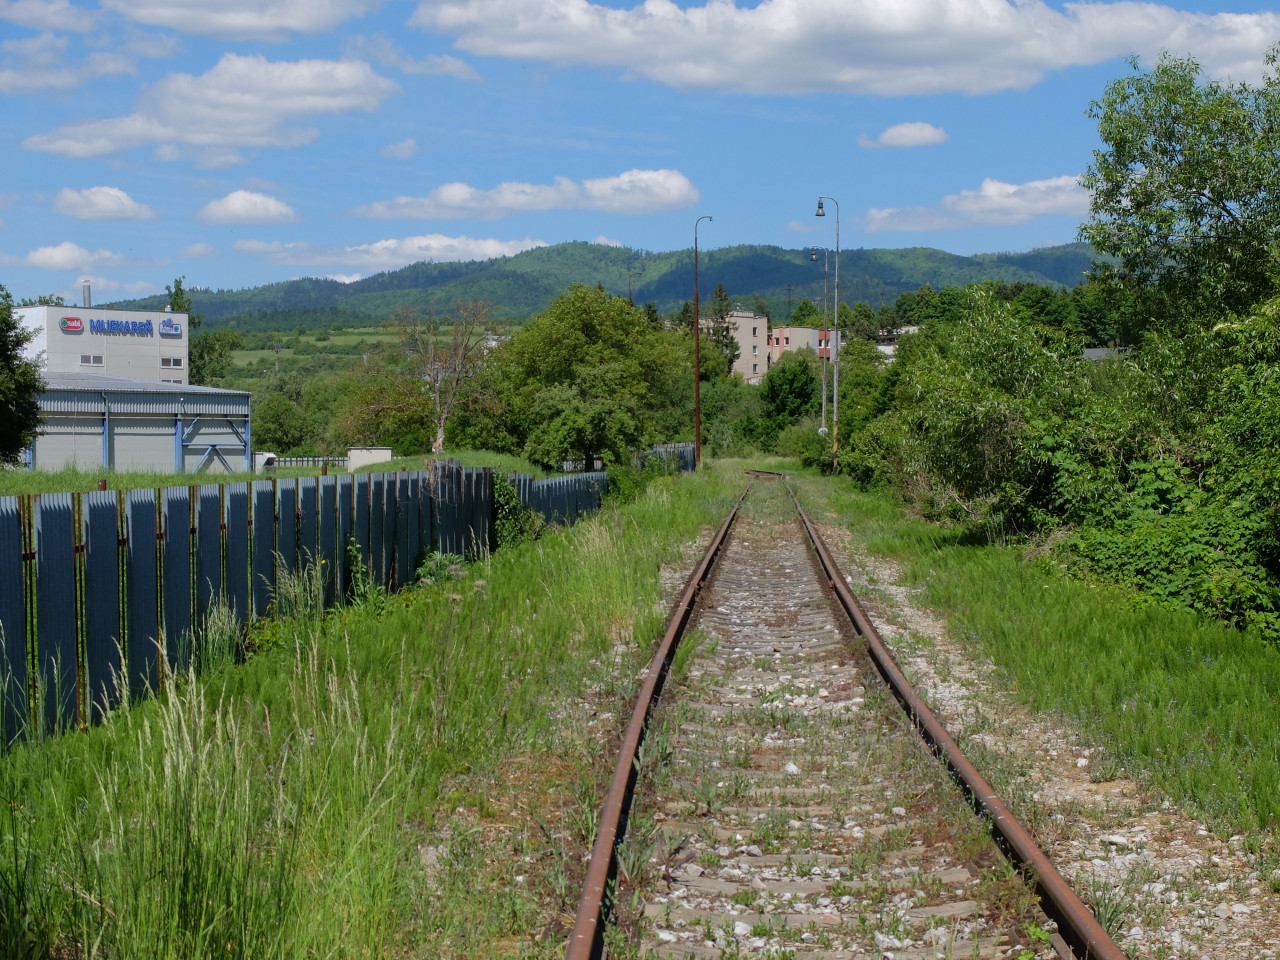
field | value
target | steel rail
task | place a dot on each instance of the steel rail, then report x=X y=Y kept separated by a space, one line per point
x=1076 y=923
x=587 y=939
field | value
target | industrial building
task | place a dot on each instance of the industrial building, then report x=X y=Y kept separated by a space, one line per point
x=117 y=423
x=146 y=345
x=117 y=398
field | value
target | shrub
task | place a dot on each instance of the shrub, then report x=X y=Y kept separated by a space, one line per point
x=512 y=522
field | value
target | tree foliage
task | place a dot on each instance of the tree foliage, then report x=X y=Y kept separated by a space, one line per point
x=20 y=386
x=1185 y=193
x=588 y=377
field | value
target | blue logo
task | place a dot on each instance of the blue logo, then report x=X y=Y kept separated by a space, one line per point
x=170 y=328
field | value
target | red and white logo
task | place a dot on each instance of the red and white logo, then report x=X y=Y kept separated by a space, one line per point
x=71 y=324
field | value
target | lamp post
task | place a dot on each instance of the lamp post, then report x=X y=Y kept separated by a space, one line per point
x=697 y=360
x=813 y=257
x=835 y=329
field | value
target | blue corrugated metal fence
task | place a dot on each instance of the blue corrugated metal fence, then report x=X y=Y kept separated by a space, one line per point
x=104 y=593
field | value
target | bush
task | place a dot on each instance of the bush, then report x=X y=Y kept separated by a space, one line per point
x=802 y=441
x=513 y=523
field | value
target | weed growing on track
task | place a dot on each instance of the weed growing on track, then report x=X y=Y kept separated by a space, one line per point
x=1172 y=696
x=301 y=804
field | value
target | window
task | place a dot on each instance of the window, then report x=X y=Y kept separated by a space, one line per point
x=755 y=350
x=755 y=368
x=170 y=361
x=788 y=339
x=755 y=331
x=90 y=360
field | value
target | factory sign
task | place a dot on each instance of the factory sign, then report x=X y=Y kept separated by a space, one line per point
x=135 y=327
x=71 y=324
x=170 y=328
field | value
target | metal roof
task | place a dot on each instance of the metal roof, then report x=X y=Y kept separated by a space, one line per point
x=83 y=393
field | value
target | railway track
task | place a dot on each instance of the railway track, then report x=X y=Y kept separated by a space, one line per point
x=785 y=799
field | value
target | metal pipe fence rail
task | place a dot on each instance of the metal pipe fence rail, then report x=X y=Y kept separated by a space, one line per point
x=105 y=594
x=338 y=462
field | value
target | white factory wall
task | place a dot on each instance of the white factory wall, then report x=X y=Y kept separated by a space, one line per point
x=139 y=344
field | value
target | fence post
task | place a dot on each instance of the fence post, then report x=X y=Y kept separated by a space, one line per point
x=15 y=707
x=100 y=521
x=56 y=602
x=142 y=595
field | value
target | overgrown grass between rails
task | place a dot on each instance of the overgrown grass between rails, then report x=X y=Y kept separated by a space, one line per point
x=274 y=809
x=1181 y=700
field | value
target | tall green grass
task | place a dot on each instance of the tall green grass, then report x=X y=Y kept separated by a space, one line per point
x=1178 y=699
x=274 y=809
x=15 y=481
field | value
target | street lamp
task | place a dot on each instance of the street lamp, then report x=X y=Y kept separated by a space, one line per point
x=835 y=329
x=813 y=258
x=697 y=361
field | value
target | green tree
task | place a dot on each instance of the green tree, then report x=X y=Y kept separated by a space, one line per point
x=1185 y=193
x=862 y=321
x=589 y=376
x=20 y=386
x=759 y=306
x=279 y=424
x=721 y=332
x=208 y=354
x=805 y=315
x=790 y=388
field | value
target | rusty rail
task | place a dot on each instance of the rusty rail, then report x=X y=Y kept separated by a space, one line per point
x=1077 y=926
x=587 y=939
x=1076 y=923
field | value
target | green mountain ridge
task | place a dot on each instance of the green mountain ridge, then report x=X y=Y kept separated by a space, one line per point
x=524 y=284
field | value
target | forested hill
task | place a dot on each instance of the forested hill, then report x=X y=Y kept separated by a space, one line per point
x=524 y=284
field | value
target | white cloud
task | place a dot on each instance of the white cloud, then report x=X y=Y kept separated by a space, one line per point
x=800 y=226
x=43 y=63
x=388 y=254
x=101 y=285
x=198 y=251
x=245 y=206
x=386 y=52
x=345 y=277
x=807 y=46
x=604 y=241
x=240 y=102
x=242 y=19
x=906 y=135
x=101 y=203
x=994 y=204
x=401 y=151
x=66 y=256
x=49 y=15
x=635 y=191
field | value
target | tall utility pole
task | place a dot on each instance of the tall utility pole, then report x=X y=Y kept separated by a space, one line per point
x=788 y=303
x=697 y=361
x=835 y=329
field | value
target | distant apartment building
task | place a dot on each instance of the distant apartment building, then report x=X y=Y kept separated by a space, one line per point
x=797 y=338
x=752 y=335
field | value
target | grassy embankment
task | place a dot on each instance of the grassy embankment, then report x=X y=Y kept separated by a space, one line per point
x=1178 y=700
x=316 y=801
x=70 y=480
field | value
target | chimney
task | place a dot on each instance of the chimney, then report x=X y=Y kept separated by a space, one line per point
x=84 y=287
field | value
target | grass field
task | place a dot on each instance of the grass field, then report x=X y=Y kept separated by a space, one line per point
x=16 y=481
x=314 y=801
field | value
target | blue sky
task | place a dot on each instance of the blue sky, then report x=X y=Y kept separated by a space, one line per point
x=238 y=142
